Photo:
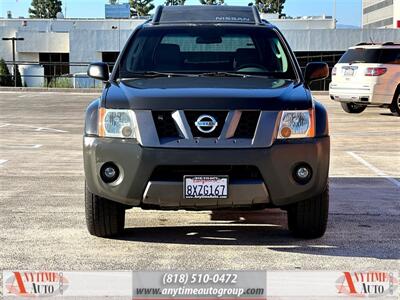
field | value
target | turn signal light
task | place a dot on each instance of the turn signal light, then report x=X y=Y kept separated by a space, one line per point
x=375 y=71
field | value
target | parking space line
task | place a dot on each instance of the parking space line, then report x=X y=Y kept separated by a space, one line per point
x=35 y=128
x=22 y=146
x=374 y=169
x=2 y=161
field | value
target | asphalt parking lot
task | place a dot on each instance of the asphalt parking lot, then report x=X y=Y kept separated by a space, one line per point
x=42 y=210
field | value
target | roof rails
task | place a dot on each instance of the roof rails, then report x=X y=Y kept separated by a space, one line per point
x=390 y=44
x=206 y=14
x=378 y=44
x=364 y=44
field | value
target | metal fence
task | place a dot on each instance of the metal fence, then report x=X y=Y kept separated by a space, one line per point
x=51 y=74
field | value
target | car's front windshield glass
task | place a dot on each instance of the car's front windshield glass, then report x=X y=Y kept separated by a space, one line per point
x=206 y=51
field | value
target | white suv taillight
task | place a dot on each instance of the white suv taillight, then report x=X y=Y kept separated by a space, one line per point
x=334 y=71
x=375 y=71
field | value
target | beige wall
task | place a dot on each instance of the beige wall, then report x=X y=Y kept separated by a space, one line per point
x=396 y=7
x=384 y=13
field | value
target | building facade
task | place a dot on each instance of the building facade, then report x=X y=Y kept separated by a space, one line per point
x=381 y=14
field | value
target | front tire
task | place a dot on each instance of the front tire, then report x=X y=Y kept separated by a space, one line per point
x=104 y=218
x=353 y=108
x=395 y=106
x=308 y=218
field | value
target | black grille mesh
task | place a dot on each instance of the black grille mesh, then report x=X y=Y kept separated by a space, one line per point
x=247 y=125
x=166 y=127
x=165 y=124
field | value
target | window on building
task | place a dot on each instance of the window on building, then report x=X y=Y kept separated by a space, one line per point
x=54 y=64
x=110 y=58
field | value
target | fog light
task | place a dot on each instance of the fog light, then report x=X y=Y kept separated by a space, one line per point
x=302 y=173
x=109 y=172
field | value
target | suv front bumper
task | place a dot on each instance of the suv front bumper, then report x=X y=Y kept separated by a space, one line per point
x=137 y=163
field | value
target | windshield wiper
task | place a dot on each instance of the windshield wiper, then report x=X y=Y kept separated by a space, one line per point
x=231 y=74
x=153 y=74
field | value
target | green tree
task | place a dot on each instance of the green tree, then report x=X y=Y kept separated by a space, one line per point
x=175 y=2
x=270 y=6
x=141 y=7
x=212 y=2
x=45 y=9
x=5 y=76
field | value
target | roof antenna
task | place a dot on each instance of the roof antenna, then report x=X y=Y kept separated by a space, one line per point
x=372 y=41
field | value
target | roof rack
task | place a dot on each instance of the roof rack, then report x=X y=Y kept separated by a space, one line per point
x=378 y=44
x=390 y=44
x=364 y=44
x=206 y=14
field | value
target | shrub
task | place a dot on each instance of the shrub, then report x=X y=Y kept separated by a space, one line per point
x=5 y=76
x=60 y=82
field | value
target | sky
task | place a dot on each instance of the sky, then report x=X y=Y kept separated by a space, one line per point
x=348 y=12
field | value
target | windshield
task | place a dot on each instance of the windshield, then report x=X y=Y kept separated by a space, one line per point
x=371 y=56
x=206 y=50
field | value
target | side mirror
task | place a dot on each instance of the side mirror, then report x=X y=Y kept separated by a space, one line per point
x=316 y=71
x=99 y=71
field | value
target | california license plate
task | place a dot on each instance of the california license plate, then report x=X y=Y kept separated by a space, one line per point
x=349 y=72
x=205 y=187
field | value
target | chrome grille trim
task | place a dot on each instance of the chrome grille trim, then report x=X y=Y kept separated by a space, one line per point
x=264 y=133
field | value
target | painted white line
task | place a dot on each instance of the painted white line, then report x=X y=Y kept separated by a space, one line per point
x=374 y=169
x=50 y=129
x=22 y=146
x=2 y=161
x=37 y=128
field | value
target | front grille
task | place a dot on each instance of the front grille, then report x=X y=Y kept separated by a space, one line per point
x=247 y=125
x=165 y=124
x=220 y=117
x=176 y=173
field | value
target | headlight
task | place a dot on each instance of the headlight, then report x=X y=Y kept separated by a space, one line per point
x=120 y=123
x=296 y=124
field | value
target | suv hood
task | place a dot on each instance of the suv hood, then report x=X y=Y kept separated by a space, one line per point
x=175 y=93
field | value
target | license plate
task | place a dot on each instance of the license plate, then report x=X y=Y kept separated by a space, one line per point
x=348 y=72
x=205 y=187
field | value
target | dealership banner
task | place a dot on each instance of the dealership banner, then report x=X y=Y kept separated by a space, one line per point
x=67 y=284
x=253 y=285
x=199 y=285
x=332 y=285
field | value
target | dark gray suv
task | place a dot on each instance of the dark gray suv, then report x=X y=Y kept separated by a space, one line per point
x=206 y=108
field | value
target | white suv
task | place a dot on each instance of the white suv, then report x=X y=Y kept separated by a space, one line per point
x=367 y=75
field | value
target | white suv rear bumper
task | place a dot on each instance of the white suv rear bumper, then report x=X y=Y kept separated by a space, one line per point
x=369 y=95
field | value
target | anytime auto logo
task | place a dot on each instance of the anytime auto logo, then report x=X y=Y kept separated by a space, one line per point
x=35 y=284
x=367 y=284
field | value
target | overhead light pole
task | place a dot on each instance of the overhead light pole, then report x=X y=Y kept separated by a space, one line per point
x=13 y=40
x=334 y=13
